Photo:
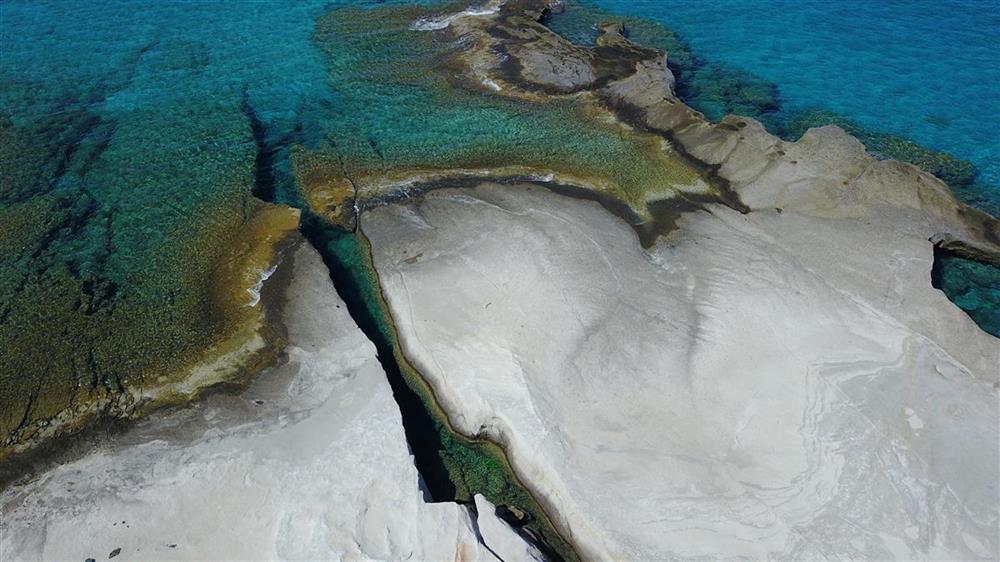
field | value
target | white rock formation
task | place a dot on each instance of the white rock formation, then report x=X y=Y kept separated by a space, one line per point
x=764 y=385
x=503 y=541
x=319 y=470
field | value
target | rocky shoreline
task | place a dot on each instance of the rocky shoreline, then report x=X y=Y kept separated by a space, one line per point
x=825 y=176
x=509 y=52
x=731 y=379
x=637 y=85
x=310 y=459
x=251 y=344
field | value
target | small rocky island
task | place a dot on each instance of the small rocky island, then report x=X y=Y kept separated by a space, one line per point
x=731 y=349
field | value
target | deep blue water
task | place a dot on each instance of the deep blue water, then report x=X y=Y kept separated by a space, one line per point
x=928 y=70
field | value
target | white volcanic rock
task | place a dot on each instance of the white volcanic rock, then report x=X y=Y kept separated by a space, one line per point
x=762 y=385
x=825 y=173
x=319 y=470
x=503 y=541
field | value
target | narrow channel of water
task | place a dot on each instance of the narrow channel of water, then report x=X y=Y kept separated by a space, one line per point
x=453 y=467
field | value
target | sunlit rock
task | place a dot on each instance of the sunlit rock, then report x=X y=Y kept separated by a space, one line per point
x=501 y=539
x=310 y=463
x=769 y=385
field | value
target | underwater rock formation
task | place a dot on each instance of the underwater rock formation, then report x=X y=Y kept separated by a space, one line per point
x=128 y=238
x=235 y=340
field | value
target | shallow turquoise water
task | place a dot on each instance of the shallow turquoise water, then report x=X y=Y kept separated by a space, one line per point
x=146 y=113
x=127 y=160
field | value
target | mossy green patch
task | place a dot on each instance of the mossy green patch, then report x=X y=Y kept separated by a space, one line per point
x=113 y=226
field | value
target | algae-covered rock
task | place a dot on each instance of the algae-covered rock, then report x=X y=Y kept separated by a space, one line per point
x=311 y=461
x=116 y=276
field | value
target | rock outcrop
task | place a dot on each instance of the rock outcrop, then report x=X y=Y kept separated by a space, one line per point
x=770 y=384
x=310 y=463
x=825 y=173
x=773 y=378
x=502 y=541
x=239 y=350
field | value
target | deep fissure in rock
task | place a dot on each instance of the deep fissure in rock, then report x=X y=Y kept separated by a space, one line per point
x=431 y=444
x=450 y=469
x=421 y=432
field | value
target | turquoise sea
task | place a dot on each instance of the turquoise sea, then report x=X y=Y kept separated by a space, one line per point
x=127 y=126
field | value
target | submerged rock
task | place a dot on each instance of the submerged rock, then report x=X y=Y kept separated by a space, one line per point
x=765 y=385
x=319 y=470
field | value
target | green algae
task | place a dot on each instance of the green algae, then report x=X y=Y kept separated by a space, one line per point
x=113 y=226
x=453 y=467
x=127 y=164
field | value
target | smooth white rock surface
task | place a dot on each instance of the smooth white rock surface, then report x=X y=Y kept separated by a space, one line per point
x=763 y=385
x=503 y=541
x=319 y=470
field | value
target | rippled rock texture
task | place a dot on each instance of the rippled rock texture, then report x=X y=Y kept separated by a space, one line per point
x=768 y=385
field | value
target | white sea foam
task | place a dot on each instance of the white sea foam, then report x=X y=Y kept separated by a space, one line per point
x=433 y=24
x=489 y=83
x=255 y=290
